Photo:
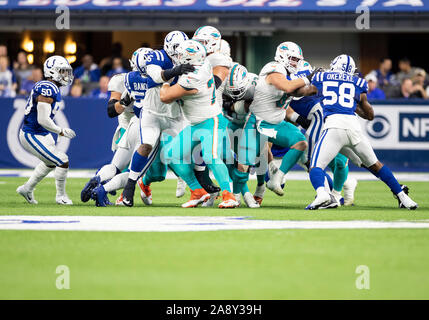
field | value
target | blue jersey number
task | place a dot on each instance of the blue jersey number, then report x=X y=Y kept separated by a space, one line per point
x=338 y=93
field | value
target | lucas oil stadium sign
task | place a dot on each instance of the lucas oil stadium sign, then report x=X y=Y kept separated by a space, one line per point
x=221 y=5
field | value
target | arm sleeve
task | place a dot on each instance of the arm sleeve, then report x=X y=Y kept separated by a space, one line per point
x=155 y=72
x=43 y=113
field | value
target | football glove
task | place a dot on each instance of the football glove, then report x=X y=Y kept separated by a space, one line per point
x=68 y=133
x=126 y=99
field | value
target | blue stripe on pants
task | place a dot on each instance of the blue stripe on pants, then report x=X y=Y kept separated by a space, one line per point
x=38 y=151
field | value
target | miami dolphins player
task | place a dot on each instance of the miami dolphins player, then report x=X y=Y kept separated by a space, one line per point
x=207 y=126
x=159 y=66
x=237 y=97
x=265 y=122
x=218 y=54
x=343 y=95
x=36 y=133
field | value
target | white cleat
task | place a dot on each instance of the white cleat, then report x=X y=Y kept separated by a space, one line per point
x=407 y=202
x=274 y=184
x=259 y=193
x=331 y=204
x=272 y=169
x=64 y=199
x=210 y=202
x=181 y=187
x=238 y=198
x=349 y=191
x=119 y=201
x=322 y=200
x=28 y=195
x=250 y=201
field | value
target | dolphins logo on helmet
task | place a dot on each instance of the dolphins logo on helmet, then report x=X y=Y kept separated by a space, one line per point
x=289 y=54
x=192 y=52
x=210 y=37
x=237 y=82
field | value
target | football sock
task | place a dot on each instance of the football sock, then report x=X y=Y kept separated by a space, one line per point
x=290 y=159
x=117 y=182
x=138 y=164
x=388 y=178
x=329 y=180
x=38 y=174
x=317 y=178
x=107 y=172
x=220 y=172
x=245 y=189
x=60 y=180
x=261 y=179
x=186 y=172
x=340 y=169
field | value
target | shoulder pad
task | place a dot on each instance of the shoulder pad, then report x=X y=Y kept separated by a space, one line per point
x=272 y=67
x=116 y=83
x=219 y=59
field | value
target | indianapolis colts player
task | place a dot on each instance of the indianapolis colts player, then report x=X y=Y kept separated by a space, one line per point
x=208 y=126
x=159 y=66
x=343 y=95
x=36 y=133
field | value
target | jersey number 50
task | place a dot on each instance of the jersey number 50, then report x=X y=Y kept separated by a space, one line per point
x=343 y=93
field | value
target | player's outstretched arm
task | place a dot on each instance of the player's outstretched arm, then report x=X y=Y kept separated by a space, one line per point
x=279 y=81
x=169 y=93
x=43 y=118
x=364 y=108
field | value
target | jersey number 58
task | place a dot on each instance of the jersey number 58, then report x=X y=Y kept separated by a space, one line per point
x=343 y=93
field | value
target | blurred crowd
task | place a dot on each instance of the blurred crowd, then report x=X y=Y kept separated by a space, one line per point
x=18 y=77
x=91 y=80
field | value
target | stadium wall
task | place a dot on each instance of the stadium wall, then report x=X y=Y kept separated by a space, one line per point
x=399 y=133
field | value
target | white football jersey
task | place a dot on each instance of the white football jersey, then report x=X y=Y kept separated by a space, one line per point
x=153 y=103
x=117 y=84
x=270 y=103
x=218 y=59
x=202 y=105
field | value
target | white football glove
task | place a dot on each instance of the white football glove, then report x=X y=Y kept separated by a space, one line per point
x=68 y=133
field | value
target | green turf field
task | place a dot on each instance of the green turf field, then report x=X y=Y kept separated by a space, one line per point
x=239 y=264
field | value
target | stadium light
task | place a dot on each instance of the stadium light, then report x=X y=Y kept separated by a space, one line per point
x=71 y=58
x=70 y=47
x=28 y=45
x=30 y=58
x=49 y=46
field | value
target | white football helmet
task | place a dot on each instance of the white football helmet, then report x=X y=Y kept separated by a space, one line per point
x=141 y=60
x=237 y=82
x=343 y=63
x=58 y=69
x=172 y=41
x=225 y=48
x=192 y=52
x=289 y=54
x=210 y=37
x=133 y=60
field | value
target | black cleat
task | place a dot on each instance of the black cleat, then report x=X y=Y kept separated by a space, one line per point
x=128 y=193
x=209 y=186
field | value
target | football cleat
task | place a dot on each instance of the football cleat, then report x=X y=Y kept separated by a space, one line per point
x=64 y=199
x=128 y=194
x=86 y=192
x=250 y=201
x=210 y=202
x=405 y=202
x=228 y=200
x=406 y=191
x=197 y=196
x=100 y=196
x=238 y=198
x=323 y=199
x=259 y=193
x=274 y=184
x=28 y=195
x=181 y=187
x=119 y=202
x=145 y=193
x=349 y=191
x=334 y=203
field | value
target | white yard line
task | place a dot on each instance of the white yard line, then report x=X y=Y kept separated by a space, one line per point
x=185 y=223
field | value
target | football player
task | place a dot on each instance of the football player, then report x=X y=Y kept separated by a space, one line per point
x=266 y=121
x=208 y=126
x=36 y=133
x=343 y=95
x=159 y=66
